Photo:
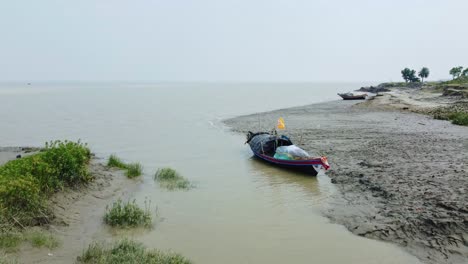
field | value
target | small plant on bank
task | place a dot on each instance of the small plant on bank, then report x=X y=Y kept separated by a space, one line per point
x=460 y=119
x=4 y=259
x=9 y=241
x=171 y=179
x=116 y=162
x=42 y=239
x=128 y=214
x=134 y=170
x=456 y=116
x=128 y=251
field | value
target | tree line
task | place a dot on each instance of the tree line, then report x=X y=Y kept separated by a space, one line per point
x=409 y=75
x=458 y=72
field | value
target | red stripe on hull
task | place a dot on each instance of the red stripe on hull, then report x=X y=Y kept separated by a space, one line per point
x=292 y=162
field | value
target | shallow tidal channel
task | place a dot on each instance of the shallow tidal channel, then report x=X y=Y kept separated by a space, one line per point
x=240 y=210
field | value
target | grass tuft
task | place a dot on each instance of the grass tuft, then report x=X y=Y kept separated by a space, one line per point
x=41 y=239
x=171 y=179
x=460 y=119
x=4 y=259
x=9 y=241
x=134 y=170
x=128 y=214
x=128 y=251
x=116 y=162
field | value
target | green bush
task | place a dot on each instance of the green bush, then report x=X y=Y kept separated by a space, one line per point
x=171 y=179
x=21 y=195
x=459 y=119
x=26 y=183
x=127 y=215
x=128 y=251
x=69 y=160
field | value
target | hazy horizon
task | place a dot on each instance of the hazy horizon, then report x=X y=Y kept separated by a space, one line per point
x=210 y=41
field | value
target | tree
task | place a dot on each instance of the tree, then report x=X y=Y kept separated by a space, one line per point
x=413 y=77
x=409 y=75
x=423 y=73
x=406 y=73
x=465 y=73
x=456 y=71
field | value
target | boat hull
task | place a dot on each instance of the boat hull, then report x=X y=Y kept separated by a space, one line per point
x=310 y=167
x=353 y=97
x=264 y=146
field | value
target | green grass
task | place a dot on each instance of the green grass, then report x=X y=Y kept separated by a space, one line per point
x=116 y=162
x=4 y=259
x=9 y=241
x=128 y=251
x=27 y=183
x=132 y=170
x=459 y=119
x=128 y=214
x=42 y=239
x=171 y=179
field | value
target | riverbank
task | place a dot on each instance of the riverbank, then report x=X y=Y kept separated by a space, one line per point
x=77 y=212
x=402 y=176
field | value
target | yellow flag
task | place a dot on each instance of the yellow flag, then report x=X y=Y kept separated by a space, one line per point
x=280 y=124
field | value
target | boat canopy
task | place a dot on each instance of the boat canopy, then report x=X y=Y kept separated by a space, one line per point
x=265 y=143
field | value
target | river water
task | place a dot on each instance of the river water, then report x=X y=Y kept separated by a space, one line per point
x=241 y=210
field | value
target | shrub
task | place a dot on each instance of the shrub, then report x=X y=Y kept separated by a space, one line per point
x=459 y=119
x=128 y=251
x=171 y=179
x=69 y=160
x=127 y=215
x=21 y=195
x=134 y=170
x=26 y=183
x=116 y=162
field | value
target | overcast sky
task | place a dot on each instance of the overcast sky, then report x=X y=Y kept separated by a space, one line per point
x=221 y=40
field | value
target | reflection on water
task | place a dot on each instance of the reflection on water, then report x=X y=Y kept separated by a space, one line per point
x=242 y=210
x=311 y=188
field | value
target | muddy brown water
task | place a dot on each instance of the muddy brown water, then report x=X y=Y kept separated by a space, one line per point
x=241 y=210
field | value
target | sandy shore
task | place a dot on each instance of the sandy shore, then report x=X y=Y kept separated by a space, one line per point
x=77 y=212
x=403 y=176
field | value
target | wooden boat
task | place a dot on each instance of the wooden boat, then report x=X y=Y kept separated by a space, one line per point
x=353 y=96
x=264 y=146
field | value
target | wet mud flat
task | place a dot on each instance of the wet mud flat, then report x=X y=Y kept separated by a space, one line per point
x=403 y=177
